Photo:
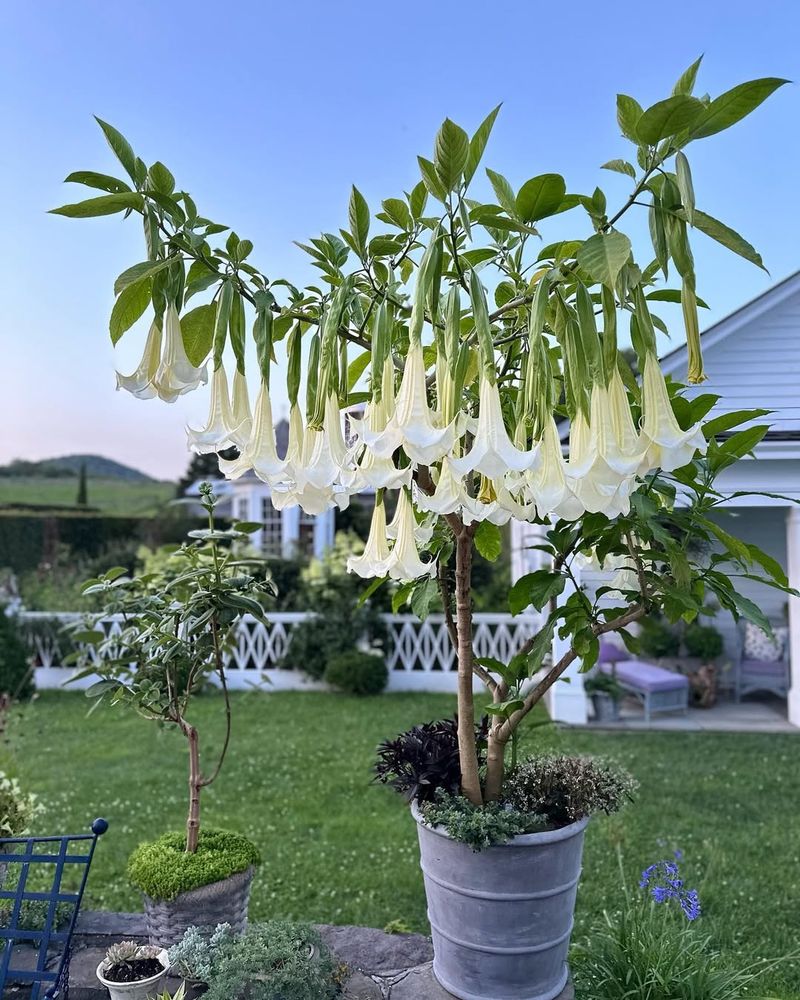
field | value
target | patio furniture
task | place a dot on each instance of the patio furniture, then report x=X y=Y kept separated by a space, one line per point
x=658 y=689
x=761 y=663
x=54 y=858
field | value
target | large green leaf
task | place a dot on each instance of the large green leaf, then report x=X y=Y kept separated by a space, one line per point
x=431 y=179
x=106 y=204
x=356 y=369
x=686 y=80
x=197 y=330
x=488 y=540
x=144 y=270
x=358 y=214
x=103 y=182
x=727 y=237
x=604 y=255
x=503 y=191
x=621 y=167
x=535 y=588
x=735 y=104
x=161 y=178
x=130 y=305
x=477 y=144
x=540 y=196
x=120 y=146
x=450 y=153
x=667 y=118
x=629 y=112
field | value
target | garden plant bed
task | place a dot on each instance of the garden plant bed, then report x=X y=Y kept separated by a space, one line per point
x=720 y=797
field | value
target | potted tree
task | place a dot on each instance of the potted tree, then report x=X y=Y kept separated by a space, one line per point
x=176 y=626
x=464 y=409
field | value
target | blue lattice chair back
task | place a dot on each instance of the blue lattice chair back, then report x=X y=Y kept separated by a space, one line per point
x=64 y=862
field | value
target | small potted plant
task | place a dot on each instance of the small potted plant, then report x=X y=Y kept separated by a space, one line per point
x=177 y=626
x=606 y=693
x=197 y=954
x=132 y=971
x=705 y=644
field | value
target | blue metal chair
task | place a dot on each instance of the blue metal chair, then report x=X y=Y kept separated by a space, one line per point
x=71 y=855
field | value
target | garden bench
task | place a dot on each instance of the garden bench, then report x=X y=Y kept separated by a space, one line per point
x=52 y=858
x=658 y=689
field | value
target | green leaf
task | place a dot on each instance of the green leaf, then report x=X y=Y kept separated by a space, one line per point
x=103 y=182
x=671 y=295
x=417 y=199
x=199 y=278
x=727 y=421
x=727 y=237
x=424 y=593
x=144 y=270
x=503 y=191
x=197 y=330
x=356 y=369
x=540 y=196
x=685 y=186
x=106 y=204
x=629 y=112
x=488 y=540
x=400 y=596
x=686 y=80
x=398 y=212
x=120 y=147
x=161 y=178
x=130 y=305
x=667 y=118
x=536 y=588
x=621 y=167
x=450 y=152
x=431 y=179
x=604 y=255
x=248 y=527
x=477 y=144
x=735 y=104
x=358 y=214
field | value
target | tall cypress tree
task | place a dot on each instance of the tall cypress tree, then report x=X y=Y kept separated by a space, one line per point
x=82 y=499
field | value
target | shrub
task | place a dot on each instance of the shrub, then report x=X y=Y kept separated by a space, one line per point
x=703 y=641
x=424 y=759
x=357 y=673
x=16 y=676
x=274 y=961
x=477 y=826
x=566 y=789
x=17 y=808
x=163 y=868
x=198 y=953
x=601 y=683
x=657 y=639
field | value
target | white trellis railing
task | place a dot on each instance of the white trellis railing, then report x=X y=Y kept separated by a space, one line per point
x=419 y=653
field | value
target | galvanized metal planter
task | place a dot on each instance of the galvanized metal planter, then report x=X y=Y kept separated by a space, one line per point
x=218 y=903
x=501 y=919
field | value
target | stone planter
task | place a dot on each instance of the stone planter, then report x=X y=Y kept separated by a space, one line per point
x=142 y=990
x=218 y=903
x=501 y=919
x=606 y=708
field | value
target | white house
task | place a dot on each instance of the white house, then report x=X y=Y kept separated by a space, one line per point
x=752 y=359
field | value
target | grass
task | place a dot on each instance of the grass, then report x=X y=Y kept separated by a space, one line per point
x=112 y=495
x=337 y=850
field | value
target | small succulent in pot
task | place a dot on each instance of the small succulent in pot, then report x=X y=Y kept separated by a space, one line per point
x=130 y=962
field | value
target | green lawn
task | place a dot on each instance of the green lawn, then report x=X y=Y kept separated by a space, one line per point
x=112 y=496
x=336 y=849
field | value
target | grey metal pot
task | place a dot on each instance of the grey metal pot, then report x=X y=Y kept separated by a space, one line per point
x=218 y=903
x=501 y=919
x=606 y=708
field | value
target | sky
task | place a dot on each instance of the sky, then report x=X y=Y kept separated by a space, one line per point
x=267 y=113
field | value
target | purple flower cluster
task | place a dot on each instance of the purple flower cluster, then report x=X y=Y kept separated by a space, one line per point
x=663 y=881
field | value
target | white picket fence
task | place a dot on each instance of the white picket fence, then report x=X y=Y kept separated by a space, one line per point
x=420 y=656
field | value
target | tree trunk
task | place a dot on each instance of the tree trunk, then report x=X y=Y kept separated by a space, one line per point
x=495 y=764
x=467 y=750
x=195 y=784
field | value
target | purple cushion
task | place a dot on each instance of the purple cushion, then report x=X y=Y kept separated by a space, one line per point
x=610 y=652
x=646 y=676
x=768 y=668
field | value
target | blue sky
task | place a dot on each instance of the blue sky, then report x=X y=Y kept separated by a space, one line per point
x=267 y=112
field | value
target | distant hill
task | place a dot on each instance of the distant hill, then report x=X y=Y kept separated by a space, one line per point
x=97 y=467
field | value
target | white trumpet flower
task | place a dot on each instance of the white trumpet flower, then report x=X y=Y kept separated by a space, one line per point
x=379 y=473
x=374 y=559
x=413 y=425
x=325 y=456
x=449 y=494
x=423 y=530
x=240 y=408
x=547 y=484
x=216 y=435
x=618 y=440
x=668 y=446
x=176 y=374
x=142 y=382
x=404 y=562
x=492 y=452
x=260 y=453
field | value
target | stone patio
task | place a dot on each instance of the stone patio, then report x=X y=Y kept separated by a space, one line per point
x=382 y=966
x=765 y=714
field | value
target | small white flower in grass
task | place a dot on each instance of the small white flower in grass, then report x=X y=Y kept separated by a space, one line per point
x=176 y=374
x=216 y=435
x=404 y=562
x=668 y=446
x=492 y=452
x=372 y=562
x=260 y=453
x=141 y=383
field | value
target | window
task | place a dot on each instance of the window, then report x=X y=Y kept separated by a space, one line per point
x=242 y=509
x=272 y=532
x=305 y=541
